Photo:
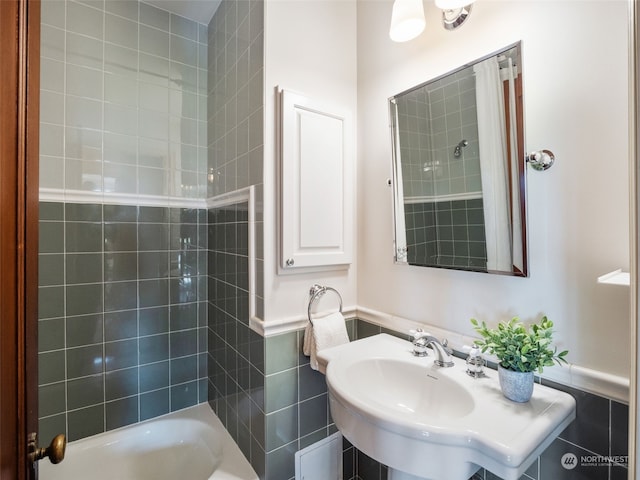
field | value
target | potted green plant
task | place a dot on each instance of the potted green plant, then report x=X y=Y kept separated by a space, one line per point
x=520 y=352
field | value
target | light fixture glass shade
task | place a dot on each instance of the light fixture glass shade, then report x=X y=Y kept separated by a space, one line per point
x=452 y=4
x=407 y=20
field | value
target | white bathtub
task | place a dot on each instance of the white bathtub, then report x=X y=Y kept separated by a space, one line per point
x=190 y=444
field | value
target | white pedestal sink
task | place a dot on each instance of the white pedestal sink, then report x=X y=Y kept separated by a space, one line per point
x=429 y=422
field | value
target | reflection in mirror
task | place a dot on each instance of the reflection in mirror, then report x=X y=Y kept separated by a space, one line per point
x=459 y=168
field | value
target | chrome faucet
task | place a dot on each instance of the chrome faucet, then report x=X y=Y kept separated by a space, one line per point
x=443 y=353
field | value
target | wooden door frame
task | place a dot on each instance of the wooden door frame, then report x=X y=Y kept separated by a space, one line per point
x=19 y=140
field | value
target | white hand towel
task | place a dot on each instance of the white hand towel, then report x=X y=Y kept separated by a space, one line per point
x=309 y=342
x=325 y=332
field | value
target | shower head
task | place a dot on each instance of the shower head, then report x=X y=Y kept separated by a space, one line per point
x=458 y=150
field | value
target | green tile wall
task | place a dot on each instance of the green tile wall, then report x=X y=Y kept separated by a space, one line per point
x=122 y=325
x=445 y=234
x=262 y=389
x=236 y=355
x=433 y=120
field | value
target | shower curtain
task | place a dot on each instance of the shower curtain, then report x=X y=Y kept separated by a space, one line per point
x=493 y=162
x=516 y=221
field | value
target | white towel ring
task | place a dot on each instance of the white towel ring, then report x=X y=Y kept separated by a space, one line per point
x=315 y=293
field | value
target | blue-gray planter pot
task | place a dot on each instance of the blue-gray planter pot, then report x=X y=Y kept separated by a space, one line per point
x=516 y=386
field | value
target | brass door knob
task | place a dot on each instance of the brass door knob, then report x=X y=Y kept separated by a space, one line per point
x=55 y=450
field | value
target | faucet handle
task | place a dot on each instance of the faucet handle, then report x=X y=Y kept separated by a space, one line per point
x=419 y=344
x=475 y=363
x=445 y=345
x=420 y=347
x=417 y=333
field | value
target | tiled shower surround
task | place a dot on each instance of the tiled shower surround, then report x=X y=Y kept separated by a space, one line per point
x=449 y=233
x=447 y=112
x=262 y=389
x=442 y=229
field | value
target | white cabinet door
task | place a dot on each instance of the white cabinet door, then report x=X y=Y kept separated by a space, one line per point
x=316 y=221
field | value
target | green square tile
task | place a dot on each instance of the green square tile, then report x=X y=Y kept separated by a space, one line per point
x=366 y=329
x=83 y=212
x=84 y=330
x=184 y=395
x=51 y=237
x=86 y=391
x=83 y=237
x=154 y=403
x=51 y=335
x=312 y=383
x=121 y=354
x=280 y=463
x=281 y=352
x=120 y=237
x=50 y=269
x=84 y=361
x=120 y=213
x=257 y=345
x=51 y=367
x=120 y=296
x=86 y=422
x=154 y=348
x=120 y=325
x=121 y=384
x=313 y=414
x=84 y=299
x=153 y=320
x=183 y=369
x=51 y=399
x=153 y=293
x=120 y=266
x=281 y=427
x=51 y=211
x=83 y=268
x=153 y=236
x=183 y=343
x=122 y=412
x=153 y=265
x=154 y=376
x=183 y=316
x=153 y=215
x=281 y=390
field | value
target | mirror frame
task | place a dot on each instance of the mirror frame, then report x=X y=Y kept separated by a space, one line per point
x=400 y=253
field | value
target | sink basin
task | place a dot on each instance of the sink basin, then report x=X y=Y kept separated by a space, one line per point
x=425 y=421
x=405 y=390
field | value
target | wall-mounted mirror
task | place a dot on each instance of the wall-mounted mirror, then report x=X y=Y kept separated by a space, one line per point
x=459 y=168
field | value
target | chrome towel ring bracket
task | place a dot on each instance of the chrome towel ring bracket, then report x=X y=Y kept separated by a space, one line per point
x=316 y=292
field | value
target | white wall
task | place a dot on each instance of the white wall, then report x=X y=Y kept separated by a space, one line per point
x=576 y=98
x=310 y=48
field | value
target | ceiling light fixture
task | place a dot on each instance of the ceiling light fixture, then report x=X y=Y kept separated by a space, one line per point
x=407 y=20
x=407 y=17
x=454 y=12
